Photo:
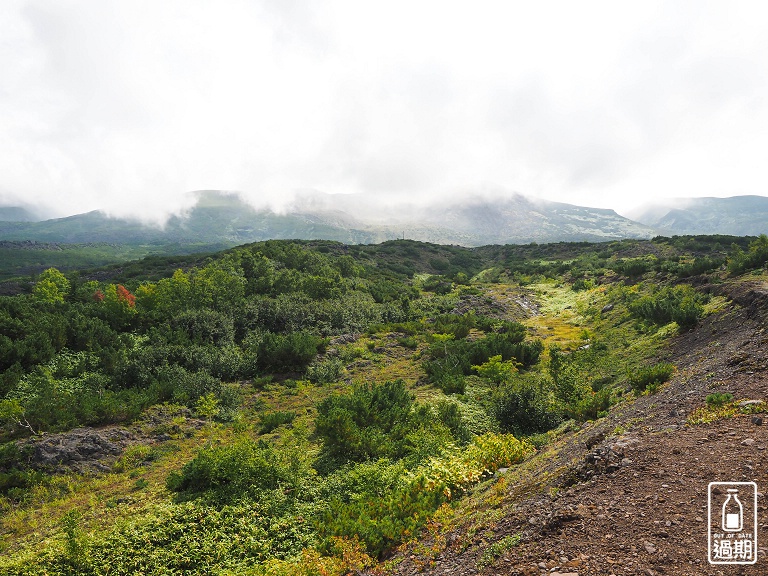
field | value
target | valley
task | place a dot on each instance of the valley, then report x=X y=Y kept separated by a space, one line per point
x=404 y=408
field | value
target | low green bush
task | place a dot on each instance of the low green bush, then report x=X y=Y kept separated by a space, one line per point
x=583 y=284
x=370 y=422
x=233 y=471
x=650 y=377
x=452 y=383
x=450 y=357
x=383 y=521
x=272 y=420
x=525 y=406
x=681 y=304
x=755 y=257
x=329 y=370
x=288 y=352
x=719 y=398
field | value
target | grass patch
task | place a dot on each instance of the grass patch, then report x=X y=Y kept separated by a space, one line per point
x=719 y=406
x=497 y=549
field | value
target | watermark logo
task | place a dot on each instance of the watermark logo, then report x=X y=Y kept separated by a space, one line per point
x=732 y=522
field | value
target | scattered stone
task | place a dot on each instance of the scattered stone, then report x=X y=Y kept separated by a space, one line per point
x=649 y=547
x=606 y=308
x=757 y=421
x=745 y=403
x=574 y=563
x=748 y=442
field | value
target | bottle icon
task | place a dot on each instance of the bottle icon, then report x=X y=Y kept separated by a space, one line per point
x=733 y=512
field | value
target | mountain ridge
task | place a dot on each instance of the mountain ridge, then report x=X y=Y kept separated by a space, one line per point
x=223 y=217
x=745 y=215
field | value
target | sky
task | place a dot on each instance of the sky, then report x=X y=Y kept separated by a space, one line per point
x=130 y=105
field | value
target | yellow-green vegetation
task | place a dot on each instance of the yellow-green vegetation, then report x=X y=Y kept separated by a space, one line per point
x=305 y=408
x=562 y=310
x=721 y=405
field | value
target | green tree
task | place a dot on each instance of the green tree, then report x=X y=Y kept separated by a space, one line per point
x=52 y=286
x=497 y=370
x=11 y=411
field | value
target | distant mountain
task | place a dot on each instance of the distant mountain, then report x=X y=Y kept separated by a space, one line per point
x=518 y=219
x=737 y=215
x=16 y=214
x=226 y=219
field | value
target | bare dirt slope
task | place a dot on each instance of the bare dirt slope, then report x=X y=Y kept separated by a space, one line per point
x=628 y=494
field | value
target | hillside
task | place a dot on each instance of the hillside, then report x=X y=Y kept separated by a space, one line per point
x=628 y=493
x=219 y=218
x=402 y=408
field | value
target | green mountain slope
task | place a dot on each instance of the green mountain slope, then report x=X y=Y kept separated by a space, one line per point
x=225 y=219
x=737 y=215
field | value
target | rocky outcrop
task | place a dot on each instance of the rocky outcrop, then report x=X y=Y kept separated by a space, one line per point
x=79 y=450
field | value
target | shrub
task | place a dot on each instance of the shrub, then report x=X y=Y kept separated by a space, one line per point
x=288 y=352
x=271 y=420
x=384 y=520
x=329 y=370
x=498 y=548
x=52 y=286
x=496 y=370
x=457 y=325
x=757 y=255
x=450 y=415
x=371 y=422
x=448 y=357
x=592 y=404
x=681 y=304
x=452 y=383
x=650 y=377
x=232 y=471
x=719 y=398
x=632 y=267
x=583 y=284
x=205 y=327
x=187 y=387
x=524 y=407
x=438 y=285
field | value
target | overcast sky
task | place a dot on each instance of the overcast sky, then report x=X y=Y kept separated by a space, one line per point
x=129 y=105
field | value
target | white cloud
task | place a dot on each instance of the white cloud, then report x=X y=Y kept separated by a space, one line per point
x=131 y=105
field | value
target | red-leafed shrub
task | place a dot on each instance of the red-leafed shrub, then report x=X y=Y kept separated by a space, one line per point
x=124 y=295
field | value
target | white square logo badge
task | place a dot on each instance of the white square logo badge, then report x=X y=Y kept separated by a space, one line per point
x=732 y=522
